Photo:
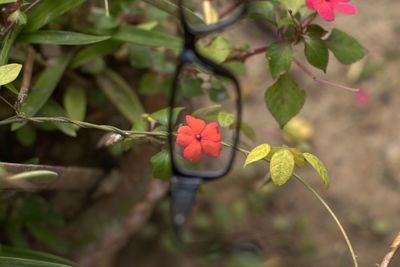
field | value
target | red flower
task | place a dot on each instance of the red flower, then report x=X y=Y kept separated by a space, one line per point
x=197 y=138
x=325 y=8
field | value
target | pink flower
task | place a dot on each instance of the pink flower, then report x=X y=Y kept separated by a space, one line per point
x=198 y=137
x=326 y=8
x=362 y=97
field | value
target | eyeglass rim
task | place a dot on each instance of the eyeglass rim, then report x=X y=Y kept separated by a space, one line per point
x=192 y=56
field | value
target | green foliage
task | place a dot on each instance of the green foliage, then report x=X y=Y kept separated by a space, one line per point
x=345 y=48
x=284 y=99
x=226 y=119
x=281 y=166
x=319 y=166
x=280 y=56
x=60 y=38
x=162 y=115
x=48 y=11
x=161 y=165
x=316 y=53
x=75 y=103
x=218 y=50
x=120 y=94
x=9 y=72
x=44 y=258
x=44 y=86
x=258 y=153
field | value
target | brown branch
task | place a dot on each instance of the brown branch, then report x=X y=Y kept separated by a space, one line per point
x=115 y=239
x=393 y=249
x=26 y=80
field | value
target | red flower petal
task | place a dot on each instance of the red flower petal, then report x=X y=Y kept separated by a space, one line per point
x=185 y=136
x=344 y=8
x=210 y=148
x=193 y=151
x=325 y=11
x=197 y=125
x=310 y=4
x=211 y=132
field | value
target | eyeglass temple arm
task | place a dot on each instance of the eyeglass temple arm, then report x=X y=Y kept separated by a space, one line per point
x=183 y=195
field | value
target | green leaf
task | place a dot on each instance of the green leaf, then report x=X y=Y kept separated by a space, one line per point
x=316 y=53
x=345 y=48
x=316 y=31
x=60 y=38
x=140 y=56
x=2 y=2
x=26 y=135
x=293 y=5
x=75 y=103
x=37 y=176
x=45 y=236
x=281 y=166
x=44 y=87
x=217 y=92
x=280 y=56
x=248 y=131
x=261 y=10
x=298 y=157
x=218 y=50
x=47 y=11
x=121 y=95
x=94 y=51
x=258 y=153
x=319 y=166
x=161 y=165
x=8 y=43
x=172 y=8
x=9 y=72
x=53 y=109
x=6 y=251
x=226 y=119
x=161 y=116
x=19 y=262
x=134 y=35
x=191 y=87
x=284 y=99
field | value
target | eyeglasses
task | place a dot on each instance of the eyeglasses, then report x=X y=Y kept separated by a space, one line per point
x=205 y=92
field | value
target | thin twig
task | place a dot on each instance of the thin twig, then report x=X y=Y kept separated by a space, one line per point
x=26 y=80
x=323 y=81
x=11 y=25
x=393 y=249
x=8 y=103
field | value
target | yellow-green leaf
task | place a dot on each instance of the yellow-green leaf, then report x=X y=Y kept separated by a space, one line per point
x=317 y=164
x=298 y=157
x=226 y=119
x=281 y=166
x=258 y=153
x=9 y=72
x=35 y=176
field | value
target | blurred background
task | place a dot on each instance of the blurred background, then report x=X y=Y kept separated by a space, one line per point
x=122 y=218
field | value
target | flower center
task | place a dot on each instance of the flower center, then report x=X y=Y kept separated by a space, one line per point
x=198 y=137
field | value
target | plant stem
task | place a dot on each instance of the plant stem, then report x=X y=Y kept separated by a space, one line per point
x=106 y=7
x=333 y=215
x=320 y=199
x=393 y=249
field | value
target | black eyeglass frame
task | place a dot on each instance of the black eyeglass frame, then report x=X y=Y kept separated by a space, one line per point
x=189 y=55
